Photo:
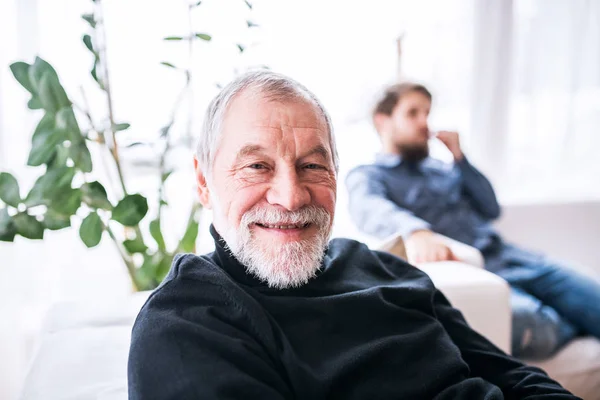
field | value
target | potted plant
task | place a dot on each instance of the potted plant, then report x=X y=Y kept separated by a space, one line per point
x=69 y=191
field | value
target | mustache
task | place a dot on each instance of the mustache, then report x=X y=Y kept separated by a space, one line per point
x=272 y=216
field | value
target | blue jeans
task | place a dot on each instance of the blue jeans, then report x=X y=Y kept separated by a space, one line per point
x=551 y=305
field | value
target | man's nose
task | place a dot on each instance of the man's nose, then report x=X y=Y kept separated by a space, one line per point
x=288 y=191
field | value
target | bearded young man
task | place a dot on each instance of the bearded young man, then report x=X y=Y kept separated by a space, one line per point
x=277 y=312
x=406 y=192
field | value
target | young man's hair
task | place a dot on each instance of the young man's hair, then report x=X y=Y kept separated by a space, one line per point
x=392 y=96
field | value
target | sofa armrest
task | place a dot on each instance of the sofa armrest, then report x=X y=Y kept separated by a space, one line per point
x=482 y=297
x=465 y=253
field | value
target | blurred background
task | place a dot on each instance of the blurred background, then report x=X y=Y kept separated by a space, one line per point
x=519 y=80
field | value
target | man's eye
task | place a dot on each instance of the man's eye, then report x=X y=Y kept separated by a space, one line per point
x=256 y=166
x=313 y=166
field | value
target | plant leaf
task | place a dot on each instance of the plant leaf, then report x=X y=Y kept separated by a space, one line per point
x=121 y=127
x=145 y=274
x=49 y=102
x=134 y=144
x=94 y=73
x=164 y=131
x=130 y=210
x=251 y=24
x=55 y=221
x=155 y=267
x=45 y=138
x=28 y=226
x=87 y=40
x=52 y=95
x=43 y=146
x=95 y=195
x=59 y=158
x=164 y=176
x=81 y=156
x=204 y=36
x=157 y=234
x=91 y=229
x=136 y=245
x=7 y=226
x=188 y=242
x=37 y=70
x=34 y=103
x=173 y=38
x=9 y=189
x=89 y=18
x=47 y=123
x=197 y=3
x=20 y=71
x=167 y=64
x=66 y=122
x=248 y=4
x=66 y=201
x=47 y=185
x=241 y=47
x=163 y=266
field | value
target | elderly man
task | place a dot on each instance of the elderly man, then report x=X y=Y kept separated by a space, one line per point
x=277 y=312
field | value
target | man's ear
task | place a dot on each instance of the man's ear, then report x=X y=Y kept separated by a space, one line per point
x=203 y=192
x=381 y=122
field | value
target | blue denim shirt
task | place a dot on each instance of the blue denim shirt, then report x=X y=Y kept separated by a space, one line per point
x=393 y=196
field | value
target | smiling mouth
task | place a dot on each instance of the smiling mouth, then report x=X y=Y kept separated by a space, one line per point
x=283 y=226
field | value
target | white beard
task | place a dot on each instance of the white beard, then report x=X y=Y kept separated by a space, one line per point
x=288 y=265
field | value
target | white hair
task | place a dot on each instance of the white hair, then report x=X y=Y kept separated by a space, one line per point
x=269 y=85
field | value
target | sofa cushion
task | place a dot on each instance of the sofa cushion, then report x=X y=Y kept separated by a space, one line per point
x=83 y=350
x=80 y=364
x=577 y=367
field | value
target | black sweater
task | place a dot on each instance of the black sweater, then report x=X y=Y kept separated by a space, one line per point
x=369 y=326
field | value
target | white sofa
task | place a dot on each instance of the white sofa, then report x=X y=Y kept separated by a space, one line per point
x=83 y=348
x=483 y=299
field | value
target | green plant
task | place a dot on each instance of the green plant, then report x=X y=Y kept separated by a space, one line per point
x=66 y=191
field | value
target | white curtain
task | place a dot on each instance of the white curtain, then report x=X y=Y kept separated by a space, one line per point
x=536 y=98
x=554 y=103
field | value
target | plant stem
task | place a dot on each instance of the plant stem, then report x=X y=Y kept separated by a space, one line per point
x=185 y=90
x=86 y=111
x=128 y=261
x=106 y=81
x=102 y=56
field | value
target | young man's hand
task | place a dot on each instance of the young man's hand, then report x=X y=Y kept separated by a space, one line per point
x=452 y=142
x=424 y=246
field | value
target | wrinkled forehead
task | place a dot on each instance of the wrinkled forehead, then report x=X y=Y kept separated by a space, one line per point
x=257 y=117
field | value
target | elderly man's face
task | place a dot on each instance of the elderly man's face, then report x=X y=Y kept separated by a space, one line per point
x=273 y=188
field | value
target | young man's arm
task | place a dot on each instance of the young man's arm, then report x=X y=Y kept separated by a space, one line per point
x=376 y=214
x=373 y=211
x=479 y=190
x=475 y=186
x=515 y=379
x=194 y=343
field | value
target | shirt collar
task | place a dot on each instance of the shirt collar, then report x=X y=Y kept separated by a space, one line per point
x=388 y=160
